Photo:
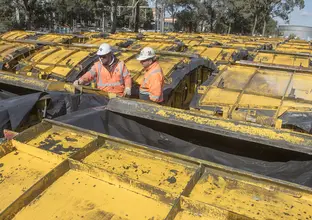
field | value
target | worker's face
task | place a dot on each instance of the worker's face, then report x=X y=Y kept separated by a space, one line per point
x=106 y=59
x=146 y=63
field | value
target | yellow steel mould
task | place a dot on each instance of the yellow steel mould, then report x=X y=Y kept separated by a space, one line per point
x=22 y=173
x=55 y=38
x=287 y=59
x=156 y=45
x=216 y=54
x=117 y=179
x=110 y=41
x=16 y=35
x=57 y=61
x=242 y=92
x=285 y=139
x=11 y=53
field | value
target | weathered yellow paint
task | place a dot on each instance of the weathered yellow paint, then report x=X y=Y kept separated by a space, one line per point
x=283 y=59
x=121 y=180
x=79 y=195
x=254 y=200
x=159 y=171
x=16 y=35
x=18 y=172
x=55 y=38
x=215 y=53
x=58 y=60
x=244 y=87
x=61 y=141
x=232 y=126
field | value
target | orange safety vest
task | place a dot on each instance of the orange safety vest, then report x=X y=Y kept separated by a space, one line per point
x=153 y=83
x=113 y=81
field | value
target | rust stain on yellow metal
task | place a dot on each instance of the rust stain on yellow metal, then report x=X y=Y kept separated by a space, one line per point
x=61 y=141
x=85 y=197
x=156 y=170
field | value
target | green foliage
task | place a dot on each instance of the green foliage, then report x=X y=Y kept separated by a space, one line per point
x=221 y=16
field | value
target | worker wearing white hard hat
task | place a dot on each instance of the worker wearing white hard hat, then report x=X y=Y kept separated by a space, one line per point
x=111 y=75
x=153 y=83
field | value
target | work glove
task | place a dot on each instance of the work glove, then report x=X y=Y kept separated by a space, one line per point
x=127 y=92
x=77 y=83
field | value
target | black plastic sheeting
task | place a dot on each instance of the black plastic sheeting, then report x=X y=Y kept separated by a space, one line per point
x=296 y=168
x=15 y=110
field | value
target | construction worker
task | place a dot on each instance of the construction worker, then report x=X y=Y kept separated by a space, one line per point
x=111 y=74
x=153 y=83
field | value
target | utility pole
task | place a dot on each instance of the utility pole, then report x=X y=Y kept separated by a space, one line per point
x=162 y=18
x=103 y=21
x=156 y=15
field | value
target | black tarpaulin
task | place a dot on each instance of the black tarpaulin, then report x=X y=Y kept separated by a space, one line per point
x=292 y=167
x=15 y=110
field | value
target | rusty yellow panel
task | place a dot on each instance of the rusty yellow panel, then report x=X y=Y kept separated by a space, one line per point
x=126 y=55
x=300 y=87
x=269 y=83
x=229 y=78
x=61 y=141
x=195 y=210
x=43 y=53
x=16 y=35
x=211 y=53
x=19 y=171
x=70 y=61
x=264 y=58
x=7 y=49
x=99 y=41
x=54 y=38
x=304 y=62
x=258 y=101
x=82 y=196
x=254 y=200
x=160 y=171
x=48 y=58
x=219 y=96
x=284 y=60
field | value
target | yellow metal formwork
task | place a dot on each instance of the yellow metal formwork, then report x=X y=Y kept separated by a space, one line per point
x=110 y=41
x=57 y=171
x=216 y=54
x=16 y=35
x=165 y=45
x=58 y=62
x=55 y=38
x=257 y=94
x=282 y=58
x=11 y=53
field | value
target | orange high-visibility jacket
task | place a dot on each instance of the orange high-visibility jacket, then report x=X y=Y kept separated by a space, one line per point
x=114 y=80
x=153 y=83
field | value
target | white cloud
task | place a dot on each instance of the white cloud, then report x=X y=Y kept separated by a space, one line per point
x=306 y=13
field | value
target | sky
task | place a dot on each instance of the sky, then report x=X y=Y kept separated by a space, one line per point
x=301 y=17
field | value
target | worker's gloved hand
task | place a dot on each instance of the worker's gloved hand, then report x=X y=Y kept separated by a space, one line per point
x=127 y=92
x=76 y=83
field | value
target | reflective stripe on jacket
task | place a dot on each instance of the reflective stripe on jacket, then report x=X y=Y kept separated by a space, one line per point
x=113 y=81
x=153 y=83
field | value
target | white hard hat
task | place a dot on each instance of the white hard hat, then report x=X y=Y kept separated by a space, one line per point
x=104 y=49
x=146 y=53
